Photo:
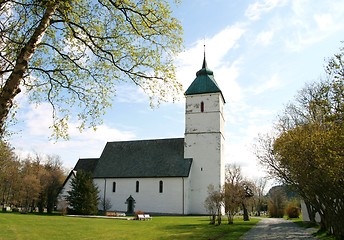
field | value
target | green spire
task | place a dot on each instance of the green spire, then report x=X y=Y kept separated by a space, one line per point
x=204 y=82
x=204 y=65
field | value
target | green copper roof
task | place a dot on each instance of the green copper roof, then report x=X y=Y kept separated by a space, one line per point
x=204 y=82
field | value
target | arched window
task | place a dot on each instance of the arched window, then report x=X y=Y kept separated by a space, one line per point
x=202 y=106
x=137 y=186
x=161 y=186
x=114 y=187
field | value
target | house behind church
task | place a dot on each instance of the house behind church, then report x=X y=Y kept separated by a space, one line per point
x=168 y=176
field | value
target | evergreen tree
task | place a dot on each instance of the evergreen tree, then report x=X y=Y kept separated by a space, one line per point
x=83 y=197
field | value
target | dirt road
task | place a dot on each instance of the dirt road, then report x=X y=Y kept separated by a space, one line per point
x=277 y=229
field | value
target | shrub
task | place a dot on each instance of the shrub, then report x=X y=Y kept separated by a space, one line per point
x=293 y=210
x=15 y=209
x=274 y=211
x=277 y=202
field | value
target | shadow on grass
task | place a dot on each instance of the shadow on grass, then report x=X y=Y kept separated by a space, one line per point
x=323 y=235
x=204 y=230
x=318 y=233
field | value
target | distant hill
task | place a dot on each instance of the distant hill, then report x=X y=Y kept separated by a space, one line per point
x=290 y=194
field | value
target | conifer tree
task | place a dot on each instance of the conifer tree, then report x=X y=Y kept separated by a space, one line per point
x=83 y=198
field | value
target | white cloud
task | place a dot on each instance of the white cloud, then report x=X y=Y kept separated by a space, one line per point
x=255 y=10
x=310 y=23
x=264 y=38
x=88 y=143
x=103 y=133
x=217 y=47
x=130 y=93
x=324 y=21
x=226 y=77
x=272 y=83
x=38 y=119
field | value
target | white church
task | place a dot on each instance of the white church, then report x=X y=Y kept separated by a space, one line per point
x=166 y=176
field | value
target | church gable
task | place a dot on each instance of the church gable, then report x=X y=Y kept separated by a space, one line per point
x=143 y=159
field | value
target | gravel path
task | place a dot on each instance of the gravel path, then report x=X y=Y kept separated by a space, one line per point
x=277 y=229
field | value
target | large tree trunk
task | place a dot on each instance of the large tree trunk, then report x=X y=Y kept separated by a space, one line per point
x=311 y=212
x=245 y=217
x=230 y=216
x=12 y=85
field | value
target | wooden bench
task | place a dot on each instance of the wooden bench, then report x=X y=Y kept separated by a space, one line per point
x=144 y=217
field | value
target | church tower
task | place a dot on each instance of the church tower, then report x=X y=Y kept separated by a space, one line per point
x=204 y=138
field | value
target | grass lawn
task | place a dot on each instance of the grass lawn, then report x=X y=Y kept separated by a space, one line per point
x=322 y=235
x=31 y=226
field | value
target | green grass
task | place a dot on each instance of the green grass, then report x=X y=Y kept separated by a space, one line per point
x=322 y=235
x=30 y=226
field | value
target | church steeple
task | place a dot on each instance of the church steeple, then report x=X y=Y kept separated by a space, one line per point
x=204 y=81
x=204 y=138
x=204 y=65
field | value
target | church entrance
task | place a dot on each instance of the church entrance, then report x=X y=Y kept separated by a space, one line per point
x=130 y=204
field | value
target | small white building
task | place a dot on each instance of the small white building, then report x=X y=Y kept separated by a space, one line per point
x=168 y=176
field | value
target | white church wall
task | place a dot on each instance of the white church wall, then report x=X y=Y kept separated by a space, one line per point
x=169 y=201
x=206 y=168
x=213 y=106
x=204 y=141
x=61 y=201
x=211 y=100
x=305 y=215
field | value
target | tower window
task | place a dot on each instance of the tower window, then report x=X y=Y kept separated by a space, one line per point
x=202 y=106
x=114 y=187
x=161 y=186
x=137 y=186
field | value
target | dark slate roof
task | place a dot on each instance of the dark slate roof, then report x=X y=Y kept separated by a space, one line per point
x=143 y=158
x=86 y=164
x=72 y=173
x=204 y=82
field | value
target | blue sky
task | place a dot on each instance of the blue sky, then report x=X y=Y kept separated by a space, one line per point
x=262 y=52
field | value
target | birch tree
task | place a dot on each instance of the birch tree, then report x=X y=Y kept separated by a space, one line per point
x=74 y=54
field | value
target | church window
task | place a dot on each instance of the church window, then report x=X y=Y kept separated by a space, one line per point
x=161 y=186
x=137 y=186
x=202 y=106
x=114 y=187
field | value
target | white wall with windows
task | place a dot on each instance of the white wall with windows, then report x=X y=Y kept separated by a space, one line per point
x=166 y=193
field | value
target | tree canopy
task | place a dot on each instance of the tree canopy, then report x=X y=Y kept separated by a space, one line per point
x=308 y=150
x=73 y=55
x=30 y=182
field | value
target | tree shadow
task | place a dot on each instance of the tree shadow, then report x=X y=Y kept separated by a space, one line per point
x=204 y=230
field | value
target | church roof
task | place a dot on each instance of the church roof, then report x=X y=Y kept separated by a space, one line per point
x=204 y=82
x=143 y=158
x=86 y=164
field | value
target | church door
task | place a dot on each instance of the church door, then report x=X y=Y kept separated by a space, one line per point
x=130 y=204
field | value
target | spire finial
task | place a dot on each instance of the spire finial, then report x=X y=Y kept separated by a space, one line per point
x=204 y=61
